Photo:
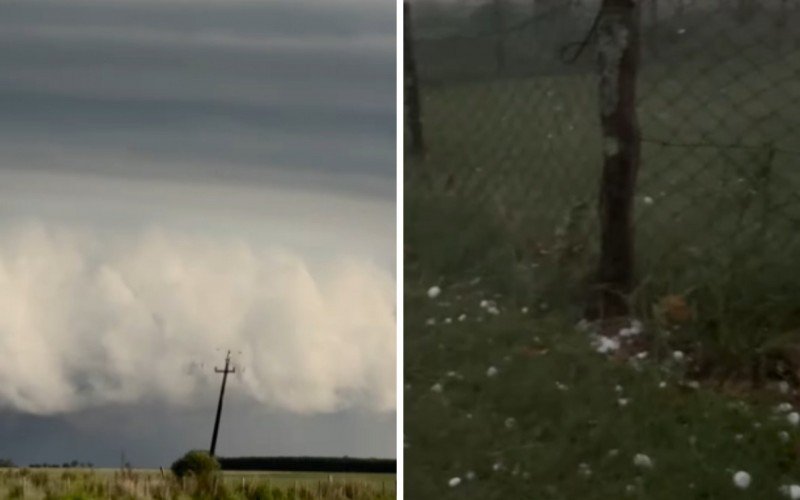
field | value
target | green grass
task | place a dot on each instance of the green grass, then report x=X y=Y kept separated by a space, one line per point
x=96 y=484
x=691 y=435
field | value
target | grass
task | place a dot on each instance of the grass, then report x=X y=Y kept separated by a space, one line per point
x=97 y=484
x=555 y=404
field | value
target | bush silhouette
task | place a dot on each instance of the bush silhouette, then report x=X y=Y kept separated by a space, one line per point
x=198 y=463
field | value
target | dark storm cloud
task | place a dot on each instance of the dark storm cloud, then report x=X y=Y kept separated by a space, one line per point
x=152 y=436
x=293 y=85
x=307 y=18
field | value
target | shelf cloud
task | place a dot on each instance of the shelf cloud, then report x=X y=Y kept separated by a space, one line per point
x=87 y=321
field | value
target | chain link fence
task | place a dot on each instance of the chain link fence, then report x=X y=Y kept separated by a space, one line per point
x=509 y=117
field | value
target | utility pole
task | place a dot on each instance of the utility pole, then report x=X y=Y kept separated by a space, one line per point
x=225 y=371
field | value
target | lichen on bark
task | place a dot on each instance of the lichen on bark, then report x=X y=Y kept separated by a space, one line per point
x=612 y=41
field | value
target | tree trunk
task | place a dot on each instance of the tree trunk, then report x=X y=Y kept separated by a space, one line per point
x=618 y=58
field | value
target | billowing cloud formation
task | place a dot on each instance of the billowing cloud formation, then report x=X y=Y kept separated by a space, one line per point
x=86 y=321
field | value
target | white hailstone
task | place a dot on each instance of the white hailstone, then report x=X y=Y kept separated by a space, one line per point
x=678 y=355
x=491 y=372
x=623 y=401
x=447 y=321
x=783 y=387
x=784 y=436
x=613 y=453
x=454 y=482
x=618 y=388
x=561 y=387
x=584 y=470
x=637 y=327
x=583 y=325
x=791 y=490
x=510 y=422
x=462 y=317
x=626 y=332
x=470 y=475
x=793 y=418
x=642 y=355
x=783 y=408
x=469 y=416
x=484 y=303
x=741 y=480
x=494 y=311
x=604 y=345
x=647 y=200
x=694 y=384
x=434 y=292
x=738 y=438
x=430 y=321
x=524 y=310
x=437 y=387
x=662 y=384
x=756 y=425
x=497 y=466
x=681 y=31
x=643 y=461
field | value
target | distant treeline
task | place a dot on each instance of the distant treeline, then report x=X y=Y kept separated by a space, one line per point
x=66 y=465
x=310 y=464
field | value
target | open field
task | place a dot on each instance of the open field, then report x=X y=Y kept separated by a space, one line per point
x=150 y=484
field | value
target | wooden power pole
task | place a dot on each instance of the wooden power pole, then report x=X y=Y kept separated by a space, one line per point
x=225 y=371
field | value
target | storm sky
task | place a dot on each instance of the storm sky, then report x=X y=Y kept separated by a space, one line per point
x=179 y=178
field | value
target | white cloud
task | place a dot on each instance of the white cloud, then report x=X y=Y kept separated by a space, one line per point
x=87 y=321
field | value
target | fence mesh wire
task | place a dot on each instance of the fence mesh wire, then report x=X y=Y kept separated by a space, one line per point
x=510 y=119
